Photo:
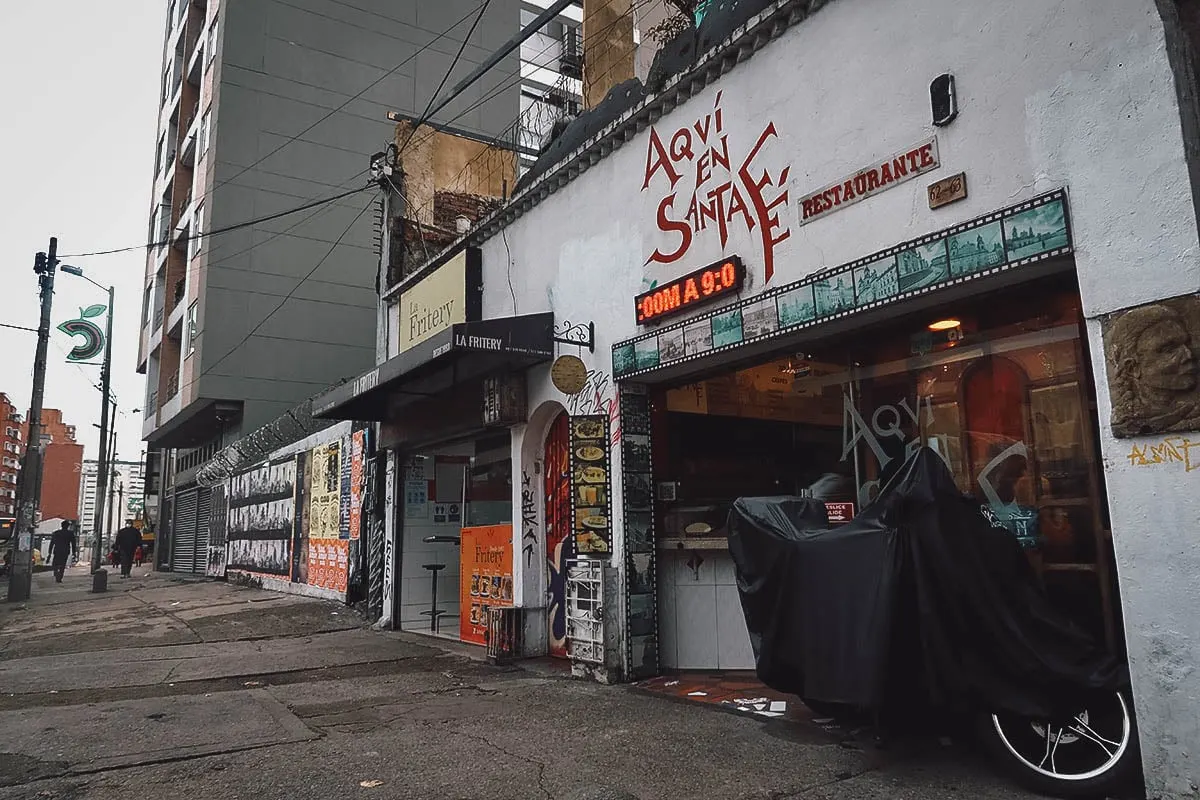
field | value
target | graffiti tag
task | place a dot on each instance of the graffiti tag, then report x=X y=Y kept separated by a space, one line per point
x=598 y=397
x=1172 y=450
x=389 y=537
x=529 y=520
x=749 y=196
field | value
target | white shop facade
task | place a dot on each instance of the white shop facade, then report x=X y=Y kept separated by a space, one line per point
x=777 y=283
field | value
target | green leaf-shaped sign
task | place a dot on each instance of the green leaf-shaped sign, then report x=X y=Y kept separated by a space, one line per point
x=91 y=311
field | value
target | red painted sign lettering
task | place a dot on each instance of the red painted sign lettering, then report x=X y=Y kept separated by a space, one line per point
x=750 y=195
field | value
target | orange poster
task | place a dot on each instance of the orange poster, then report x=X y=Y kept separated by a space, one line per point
x=485 y=577
x=328 y=563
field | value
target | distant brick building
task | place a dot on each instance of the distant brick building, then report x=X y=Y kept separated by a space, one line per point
x=61 y=466
x=13 y=444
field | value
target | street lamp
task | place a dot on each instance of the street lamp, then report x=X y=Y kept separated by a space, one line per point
x=105 y=379
x=104 y=491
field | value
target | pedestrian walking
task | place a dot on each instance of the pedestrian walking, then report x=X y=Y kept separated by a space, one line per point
x=128 y=540
x=137 y=556
x=63 y=546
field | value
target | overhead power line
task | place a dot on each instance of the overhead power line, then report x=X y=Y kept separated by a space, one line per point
x=217 y=231
x=286 y=297
x=290 y=140
x=349 y=100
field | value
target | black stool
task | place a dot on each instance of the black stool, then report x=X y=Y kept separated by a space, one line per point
x=434 y=612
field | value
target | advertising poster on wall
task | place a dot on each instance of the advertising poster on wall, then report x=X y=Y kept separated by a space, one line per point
x=344 y=489
x=356 y=483
x=485 y=577
x=328 y=553
x=261 y=516
x=590 y=482
x=218 y=510
x=324 y=509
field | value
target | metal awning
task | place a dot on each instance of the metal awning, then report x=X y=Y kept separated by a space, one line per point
x=460 y=353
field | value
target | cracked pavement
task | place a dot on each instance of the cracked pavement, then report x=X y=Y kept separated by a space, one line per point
x=163 y=686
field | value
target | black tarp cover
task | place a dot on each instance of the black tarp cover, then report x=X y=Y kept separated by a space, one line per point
x=920 y=596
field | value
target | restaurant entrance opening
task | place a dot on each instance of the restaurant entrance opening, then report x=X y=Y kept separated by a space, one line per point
x=999 y=385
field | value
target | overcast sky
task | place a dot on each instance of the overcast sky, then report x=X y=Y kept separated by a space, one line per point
x=78 y=85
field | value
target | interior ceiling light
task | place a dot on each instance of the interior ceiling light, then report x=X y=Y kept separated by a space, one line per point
x=944 y=325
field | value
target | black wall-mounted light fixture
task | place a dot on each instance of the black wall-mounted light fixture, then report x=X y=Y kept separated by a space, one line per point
x=943 y=100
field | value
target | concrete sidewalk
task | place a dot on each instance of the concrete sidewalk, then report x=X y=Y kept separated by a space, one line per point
x=163 y=686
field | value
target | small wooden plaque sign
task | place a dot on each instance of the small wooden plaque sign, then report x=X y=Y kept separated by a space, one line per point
x=948 y=190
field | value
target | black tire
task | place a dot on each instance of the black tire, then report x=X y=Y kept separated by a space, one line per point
x=1098 y=749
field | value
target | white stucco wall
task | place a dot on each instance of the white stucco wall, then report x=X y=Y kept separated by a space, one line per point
x=1077 y=93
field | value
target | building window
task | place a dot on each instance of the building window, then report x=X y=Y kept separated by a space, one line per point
x=196 y=235
x=212 y=40
x=190 y=347
x=202 y=146
x=146 y=303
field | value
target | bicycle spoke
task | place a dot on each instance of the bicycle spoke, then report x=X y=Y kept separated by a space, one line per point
x=1046 y=755
x=1092 y=732
x=1087 y=733
x=1053 y=750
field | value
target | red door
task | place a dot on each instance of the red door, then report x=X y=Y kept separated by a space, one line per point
x=559 y=545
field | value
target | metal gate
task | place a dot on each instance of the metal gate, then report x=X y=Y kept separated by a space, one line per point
x=189 y=531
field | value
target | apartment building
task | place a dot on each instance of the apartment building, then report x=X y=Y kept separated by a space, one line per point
x=127 y=478
x=10 y=458
x=61 y=463
x=265 y=107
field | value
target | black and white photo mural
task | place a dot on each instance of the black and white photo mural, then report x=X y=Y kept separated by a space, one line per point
x=261 y=520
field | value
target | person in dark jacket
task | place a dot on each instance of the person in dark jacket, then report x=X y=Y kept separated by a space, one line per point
x=63 y=545
x=128 y=540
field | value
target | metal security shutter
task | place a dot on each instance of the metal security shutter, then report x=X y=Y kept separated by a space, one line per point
x=183 y=533
x=200 y=552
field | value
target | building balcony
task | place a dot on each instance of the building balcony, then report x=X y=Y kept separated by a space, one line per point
x=143 y=348
x=171 y=408
x=170 y=109
x=150 y=415
x=178 y=311
x=195 y=62
x=187 y=153
x=172 y=386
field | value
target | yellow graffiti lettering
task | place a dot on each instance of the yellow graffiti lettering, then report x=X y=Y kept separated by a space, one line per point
x=1137 y=456
x=1171 y=450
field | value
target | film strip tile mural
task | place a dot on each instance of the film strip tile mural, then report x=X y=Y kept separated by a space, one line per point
x=1013 y=237
x=591 y=506
x=641 y=617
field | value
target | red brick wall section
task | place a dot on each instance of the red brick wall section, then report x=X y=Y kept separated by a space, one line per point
x=448 y=206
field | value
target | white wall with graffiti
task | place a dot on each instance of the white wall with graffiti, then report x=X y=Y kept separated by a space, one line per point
x=757 y=167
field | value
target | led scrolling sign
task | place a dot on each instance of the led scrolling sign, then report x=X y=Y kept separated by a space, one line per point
x=709 y=283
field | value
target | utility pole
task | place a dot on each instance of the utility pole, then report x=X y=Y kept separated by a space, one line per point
x=21 y=580
x=112 y=489
x=105 y=451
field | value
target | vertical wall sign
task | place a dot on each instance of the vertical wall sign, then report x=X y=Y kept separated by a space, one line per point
x=590 y=482
x=641 y=623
